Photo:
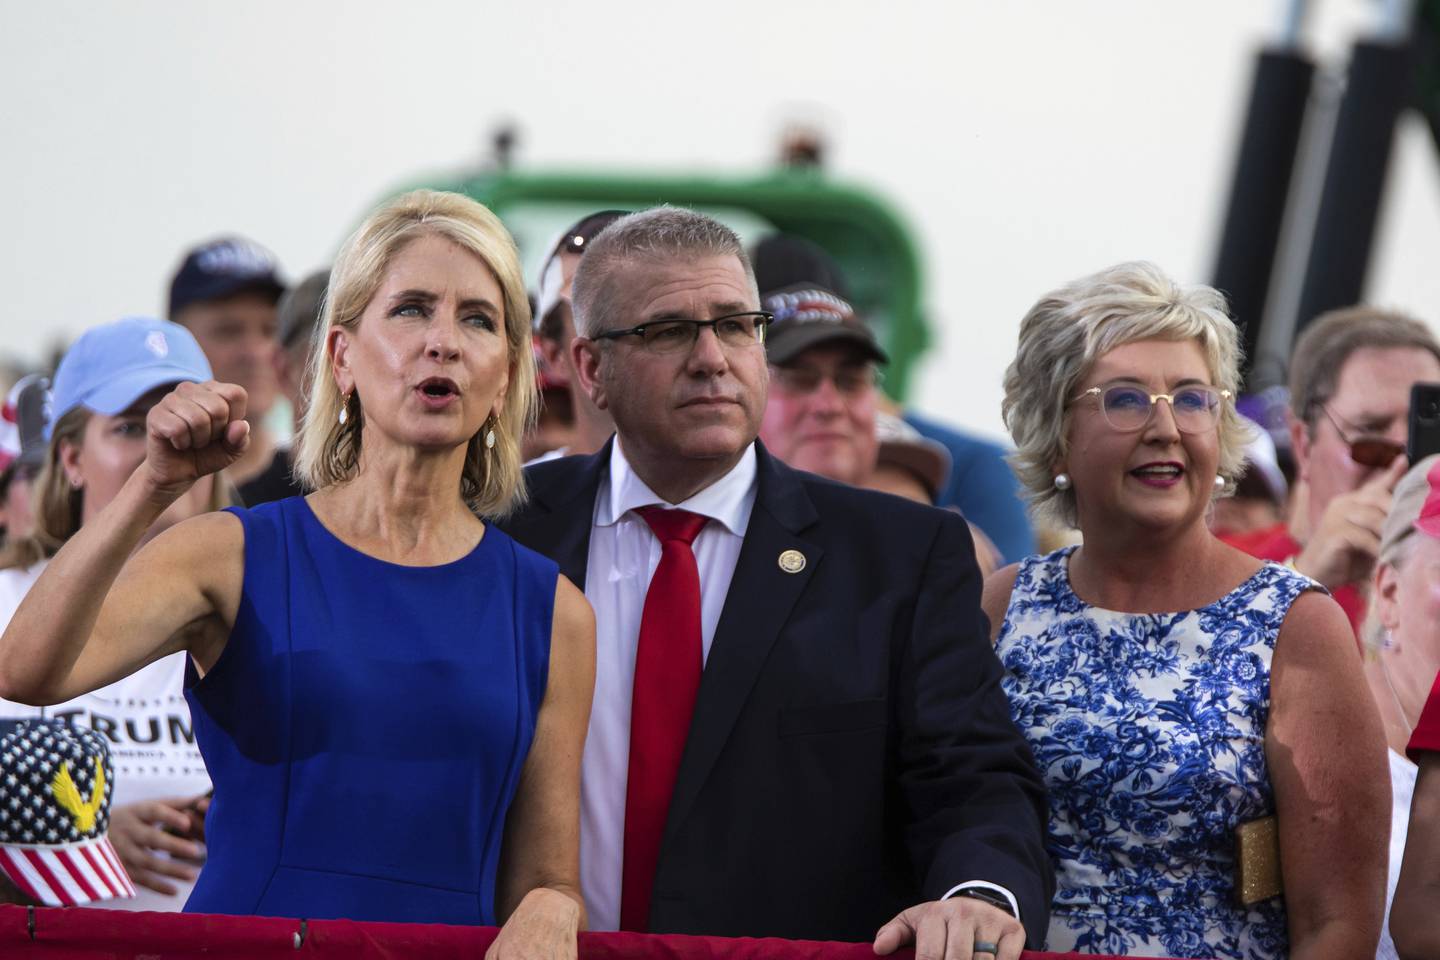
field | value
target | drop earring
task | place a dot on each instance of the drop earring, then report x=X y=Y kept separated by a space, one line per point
x=1062 y=481
x=344 y=416
x=1219 y=482
x=490 y=433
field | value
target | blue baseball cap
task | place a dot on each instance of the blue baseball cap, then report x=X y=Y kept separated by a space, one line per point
x=112 y=366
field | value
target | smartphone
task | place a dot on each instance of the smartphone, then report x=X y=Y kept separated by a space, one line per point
x=1424 y=432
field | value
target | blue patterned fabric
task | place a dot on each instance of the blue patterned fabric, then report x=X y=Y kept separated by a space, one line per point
x=1150 y=732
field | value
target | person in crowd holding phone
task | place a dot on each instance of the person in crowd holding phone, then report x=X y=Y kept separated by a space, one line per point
x=1402 y=646
x=105 y=386
x=1414 y=921
x=1350 y=379
x=390 y=694
x=1173 y=688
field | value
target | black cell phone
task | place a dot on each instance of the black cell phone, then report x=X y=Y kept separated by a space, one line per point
x=1424 y=434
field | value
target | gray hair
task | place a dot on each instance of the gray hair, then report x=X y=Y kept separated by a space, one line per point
x=1329 y=341
x=654 y=235
x=1068 y=329
x=1397 y=534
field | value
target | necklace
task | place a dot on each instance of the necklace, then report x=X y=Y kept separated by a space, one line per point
x=1395 y=696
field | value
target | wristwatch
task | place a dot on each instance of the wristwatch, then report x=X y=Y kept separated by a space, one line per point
x=986 y=896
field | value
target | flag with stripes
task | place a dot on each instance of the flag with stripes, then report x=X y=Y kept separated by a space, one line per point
x=55 y=786
x=68 y=874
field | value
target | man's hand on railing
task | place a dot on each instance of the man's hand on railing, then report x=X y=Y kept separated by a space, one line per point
x=960 y=928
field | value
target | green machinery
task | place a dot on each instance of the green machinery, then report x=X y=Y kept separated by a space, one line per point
x=860 y=229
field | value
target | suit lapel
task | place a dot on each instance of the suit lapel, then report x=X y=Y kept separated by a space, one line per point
x=560 y=517
x=759 y=601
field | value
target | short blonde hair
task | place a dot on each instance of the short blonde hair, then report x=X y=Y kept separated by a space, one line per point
x=1068 y=329
x=328 y=451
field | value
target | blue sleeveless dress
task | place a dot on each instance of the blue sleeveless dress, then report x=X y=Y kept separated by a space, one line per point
x=366 y=725
x=1150 y=732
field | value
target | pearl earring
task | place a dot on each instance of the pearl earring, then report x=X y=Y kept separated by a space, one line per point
x=1219 y=482
x=490 y=439
x=344 y=417
x=1062 y=481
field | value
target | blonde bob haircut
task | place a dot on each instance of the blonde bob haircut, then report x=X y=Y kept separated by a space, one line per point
x=328 y=451
x=1068 y=329
x=57 y=506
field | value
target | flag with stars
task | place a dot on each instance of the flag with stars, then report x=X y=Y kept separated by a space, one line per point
x=55 y=786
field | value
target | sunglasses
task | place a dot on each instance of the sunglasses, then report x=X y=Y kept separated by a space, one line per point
x=1368 y=451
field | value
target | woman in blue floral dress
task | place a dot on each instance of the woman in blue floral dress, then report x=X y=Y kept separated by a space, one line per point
x=1171 y=687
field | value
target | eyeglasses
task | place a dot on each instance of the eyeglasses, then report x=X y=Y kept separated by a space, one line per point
x=1367 y=450
x=679 y=336
x=1127 y=409
x=849 y=381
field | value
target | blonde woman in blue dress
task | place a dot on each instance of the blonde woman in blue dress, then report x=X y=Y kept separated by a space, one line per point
x=1171 y=687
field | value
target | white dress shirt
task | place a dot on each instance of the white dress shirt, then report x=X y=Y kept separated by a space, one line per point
x=624 y=553
x=623 y=556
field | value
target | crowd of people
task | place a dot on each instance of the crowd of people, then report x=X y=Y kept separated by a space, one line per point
x=625 y=599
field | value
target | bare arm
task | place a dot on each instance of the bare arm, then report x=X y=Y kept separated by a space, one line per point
x=1326 y=754
x=995 y=599
x=96 y=614
x=1414 y=921
x=538 y=887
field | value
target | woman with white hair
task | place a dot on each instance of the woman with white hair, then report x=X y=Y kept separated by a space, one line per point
x=1402 y=645
x=1176 y=692
x=390 y=694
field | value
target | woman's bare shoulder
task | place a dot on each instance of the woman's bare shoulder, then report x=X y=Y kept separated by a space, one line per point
x=207 y=551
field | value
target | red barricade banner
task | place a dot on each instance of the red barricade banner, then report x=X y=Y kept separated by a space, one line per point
x=87 y=934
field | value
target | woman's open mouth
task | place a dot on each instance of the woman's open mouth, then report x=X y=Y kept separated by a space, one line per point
x=437 y=393
x=1159 y=474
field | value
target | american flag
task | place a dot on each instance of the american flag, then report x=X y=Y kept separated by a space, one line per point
x=55 y=787
x=68 y=874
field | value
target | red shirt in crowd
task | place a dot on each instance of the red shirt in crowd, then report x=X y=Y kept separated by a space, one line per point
x=1275 y=543
x=1426 y=735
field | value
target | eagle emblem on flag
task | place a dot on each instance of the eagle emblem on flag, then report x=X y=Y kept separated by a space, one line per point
x=67 y=794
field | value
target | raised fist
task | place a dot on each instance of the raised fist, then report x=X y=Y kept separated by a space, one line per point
x=195 y=430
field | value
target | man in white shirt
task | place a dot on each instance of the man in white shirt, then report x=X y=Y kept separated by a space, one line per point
x=798 y=729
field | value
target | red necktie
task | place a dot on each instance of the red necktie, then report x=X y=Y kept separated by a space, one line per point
x=667 y=678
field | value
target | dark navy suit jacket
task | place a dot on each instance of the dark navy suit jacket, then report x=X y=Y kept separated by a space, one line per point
x=851 y=752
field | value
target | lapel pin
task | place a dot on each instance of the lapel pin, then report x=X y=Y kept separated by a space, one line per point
x=792 y=561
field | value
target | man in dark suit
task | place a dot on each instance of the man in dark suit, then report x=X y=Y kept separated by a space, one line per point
x=798 y=727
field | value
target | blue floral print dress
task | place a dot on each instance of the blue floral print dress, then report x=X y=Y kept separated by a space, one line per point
x=1150 y=731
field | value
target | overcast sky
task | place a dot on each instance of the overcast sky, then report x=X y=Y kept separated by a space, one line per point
x=1026 y=143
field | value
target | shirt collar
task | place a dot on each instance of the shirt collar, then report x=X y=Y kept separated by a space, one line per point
x=728 y=500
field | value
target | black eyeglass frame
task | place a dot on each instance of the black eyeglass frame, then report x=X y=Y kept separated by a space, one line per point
x=763 y=320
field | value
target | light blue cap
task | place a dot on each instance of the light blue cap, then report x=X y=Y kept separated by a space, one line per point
x=111 y=366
